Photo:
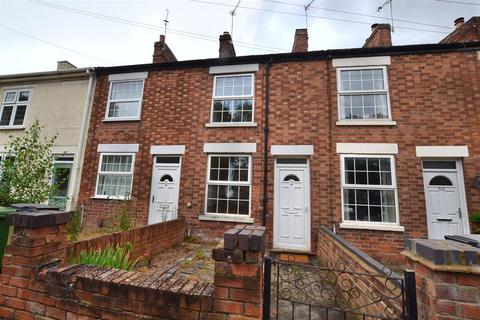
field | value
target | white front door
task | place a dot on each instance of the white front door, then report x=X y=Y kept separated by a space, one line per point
x=292 y=202
x=165 y=189
x=444 y=199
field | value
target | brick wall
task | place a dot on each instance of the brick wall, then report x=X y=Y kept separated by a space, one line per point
x=149 y=239
x=239 y=273
x=447 y=279
x=35 y=283
x=434 y=100
x=379 y=289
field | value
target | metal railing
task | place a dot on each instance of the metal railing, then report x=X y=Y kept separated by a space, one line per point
x=332 y=291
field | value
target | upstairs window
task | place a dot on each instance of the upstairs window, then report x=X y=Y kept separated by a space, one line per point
x=363 y=94
x=124 y=100
x=233 y=99
x=369 y=189
x=14 y=108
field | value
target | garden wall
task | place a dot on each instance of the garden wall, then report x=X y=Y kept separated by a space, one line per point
x=377 y=289
x=145 y=240
x=447 y=278
x=35 y=283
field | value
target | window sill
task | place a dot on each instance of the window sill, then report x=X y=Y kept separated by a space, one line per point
x=12 y=127
x=371 y=226
x=230 y=124
x=224 y=218
x=120 y=119
x=106 y=198
x=366 y=123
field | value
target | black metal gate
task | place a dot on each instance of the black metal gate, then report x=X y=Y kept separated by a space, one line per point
x=331 y=291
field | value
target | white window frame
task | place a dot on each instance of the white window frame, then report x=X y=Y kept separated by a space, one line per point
x=386 y=90
x=375 y=225
x=214 y=97
x=14 y=108
x=226 y=183
x=110 y=101
x=100 y=161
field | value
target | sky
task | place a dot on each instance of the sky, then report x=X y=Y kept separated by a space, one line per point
x=35 y=34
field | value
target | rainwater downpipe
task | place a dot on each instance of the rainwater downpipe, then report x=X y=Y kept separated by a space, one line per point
x=81 y=143
x=266 y=131
x=330 y=144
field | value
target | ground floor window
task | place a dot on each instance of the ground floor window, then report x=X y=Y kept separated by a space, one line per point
x=369 y=189
x=115 y=175
x=228 y=185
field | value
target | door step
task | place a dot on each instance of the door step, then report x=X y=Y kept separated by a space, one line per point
x=291 y=251
x=292 y=256
x=289 y=257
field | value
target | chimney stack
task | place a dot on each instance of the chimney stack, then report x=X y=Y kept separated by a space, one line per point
x=459 y=22
x=464 y=31
x=227 y=50
x=65 y=65
x=162 y=53
x=381 y=36
x=300 y=42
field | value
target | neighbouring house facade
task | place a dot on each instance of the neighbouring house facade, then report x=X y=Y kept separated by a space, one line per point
x=60 y=101
x=377 y=143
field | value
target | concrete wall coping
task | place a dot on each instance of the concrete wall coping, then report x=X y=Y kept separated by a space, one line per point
x=443 y=252
x=38 y=217
x=365 y=258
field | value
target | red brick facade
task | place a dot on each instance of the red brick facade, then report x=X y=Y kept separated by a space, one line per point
x=434 y=100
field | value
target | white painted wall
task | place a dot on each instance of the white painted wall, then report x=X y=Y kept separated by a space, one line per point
x=59 y=106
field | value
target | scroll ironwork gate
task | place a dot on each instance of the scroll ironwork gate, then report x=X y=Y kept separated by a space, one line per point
x=331 y=291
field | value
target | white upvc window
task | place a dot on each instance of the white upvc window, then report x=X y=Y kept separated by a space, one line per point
x=369 y=189
x=14 y=107
x=363 y=94
x=125 y=99
x=233 y=100
x=228 y=185
x=115 y=175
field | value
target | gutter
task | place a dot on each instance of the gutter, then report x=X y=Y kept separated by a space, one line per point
x=83 y=137
x=266 y=131
x=47 y=76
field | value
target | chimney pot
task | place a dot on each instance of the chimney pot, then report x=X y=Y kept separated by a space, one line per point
x=459 y=22
x=226 y=50
x=300 y=42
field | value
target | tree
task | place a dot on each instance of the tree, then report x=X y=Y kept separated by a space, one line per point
x=27 y=167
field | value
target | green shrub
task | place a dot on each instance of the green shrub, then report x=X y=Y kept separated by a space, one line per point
x=115 y=257
x=27 y=168
x=74 y=226
x=475 y=217
x=125 y=215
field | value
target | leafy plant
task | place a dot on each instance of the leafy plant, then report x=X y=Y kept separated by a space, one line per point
x=115 y=257
x=74 y=226
x=200 y=255
x=475 y=217
x=27 y=168
x=125 y=214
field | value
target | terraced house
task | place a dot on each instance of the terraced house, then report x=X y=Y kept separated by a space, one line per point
x=377 y=143
x=46 y=96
